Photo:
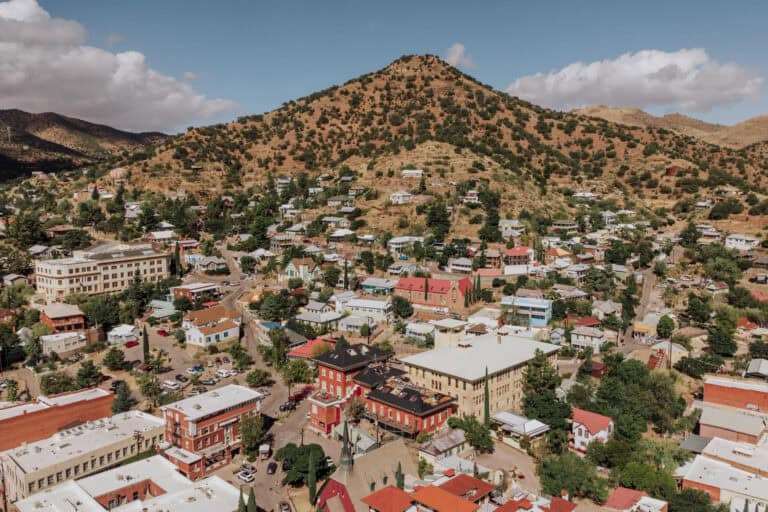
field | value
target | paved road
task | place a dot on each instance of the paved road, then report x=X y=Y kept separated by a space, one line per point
x=646 y=295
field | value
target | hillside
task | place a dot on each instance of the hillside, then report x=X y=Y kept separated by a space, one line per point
x=419 y=111
x=737 y=136
x=50 y=141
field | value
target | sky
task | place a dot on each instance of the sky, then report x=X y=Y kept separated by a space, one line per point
x=168 y=64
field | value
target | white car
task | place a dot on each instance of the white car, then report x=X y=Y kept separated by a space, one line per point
x=232 y=372
x=194 y=370
x=170 y=384
x=246 y=476
x=221 y=372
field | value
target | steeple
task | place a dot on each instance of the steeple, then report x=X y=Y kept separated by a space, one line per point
x=346 y=460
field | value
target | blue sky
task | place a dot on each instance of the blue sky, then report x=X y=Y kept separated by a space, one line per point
x=260 y=54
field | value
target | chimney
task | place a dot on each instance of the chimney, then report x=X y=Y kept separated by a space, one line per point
x=564 y=494
x=498 y=338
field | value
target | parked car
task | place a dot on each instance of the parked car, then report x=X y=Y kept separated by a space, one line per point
x=198 y=390
x=246 y=476
x=210 y=364
x=169 y=384
x=225 y=360
x=296 y=397
x=181 y=378
x=284 y=506
x=217 y=360
x=130 y=344
x=232 y=372
x=112 y=386
x=162 y=332
x=210 y=381
x=221 y=372
x=195 y=369
x=308 y=389
x=288 y=406
x=271 y=468
x=248 y=467
x=264 y=391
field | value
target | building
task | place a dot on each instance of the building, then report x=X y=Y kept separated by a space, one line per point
x=61 y=317
x=210 y=326
x=211 y=264
x=460 y=370
x=78 y=451
x=389 y=499
x=602 y=309
x=104 y=272
x=335 y=372
x=736 y=392
x=399 y=405
x=732 y=424
x=147 y=484
x=195 y=291
x=12 y=279
x=520 y=255
x=725 y=483
x=122 y=334
x=412 y=173
x=378 y=286
x=631 y=500
x=469 y=488
x=301 y=268
x=434 y=499
x=399 y=244
x=588 y=427
x=566 y=225
x=43 y=417
x=442 y=295
x=460 y=265
x=203 y=432
x=532 y=312
x=400 y=197
x=63 y=343
x=741 y=242
x=379 y=310
x=588 y=337
x=356 y=478
x=444 y=444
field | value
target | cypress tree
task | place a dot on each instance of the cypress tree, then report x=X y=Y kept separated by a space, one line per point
x=312 y=478
x=241 y=503
x=177 y=261
x=252 y=502
x=426 y=288
x=346 y=276
x=486 y=403
x=399 y=476
x=146 y=345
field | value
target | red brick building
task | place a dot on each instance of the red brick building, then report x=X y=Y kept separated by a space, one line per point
x=441 y=294
x=42 y=418
x=735 y=392
x=62 y=317
x=335 y=371
x=202 y=433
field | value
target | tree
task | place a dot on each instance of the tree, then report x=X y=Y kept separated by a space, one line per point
x=102 y=310
x=312 y=478
x=56 y=382
x=252 y=502
x=665 y=327
x=690 y=235
x=257 y=378
x=252 y=433
x=26 y=230
x=11 y=390
x=691 y=500
x=355 y=409
x=123 y=399
x=15 y=296
x=698 y=309
x=296 y=461
x=399 y=476
x=367 y=260
x=573 y=474
x=477 y=435
x=114 y=359
x=296 y=371
x=721 y=341
x=145 y=345
x=241 y=503
x=183 y=304
x=150 y=388
x=365 y=331
x=401 y=307
x=88 y=375
x=248 y=264
x=331 y=276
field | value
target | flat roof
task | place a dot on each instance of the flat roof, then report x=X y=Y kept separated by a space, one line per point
x=195 y=286
x=212 y=493
x=156 y=468
x=469 y=360
x=743 y=454
x=207 y=404
x=18 y=410
x=59 y=498
x=83 y=439
x=705 y=471
x=61 y=310
x=44 y=402
x=749 y=385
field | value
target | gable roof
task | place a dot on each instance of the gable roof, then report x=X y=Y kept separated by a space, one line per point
x=467 y=487
x=388 y=499
x=623 y=498
x=214 y=314
x=520 y=250
x=558 y=504
x=308 y=262
x=441 y=500
x=350 y=357
x=591 y=420
x=439 y=286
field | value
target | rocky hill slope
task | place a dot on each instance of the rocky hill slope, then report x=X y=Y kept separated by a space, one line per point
x=50 y=142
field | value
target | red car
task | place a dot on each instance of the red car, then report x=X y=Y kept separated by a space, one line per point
x=162 y=332
x=131 y=344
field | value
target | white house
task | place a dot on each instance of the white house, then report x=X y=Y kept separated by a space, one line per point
x=62 y=343
x=741 y=242
x=379 y=310
x=204 y=336
x=583 y=337
x=122 y=334
x=412 y=173
x=588 y=427
x=398 y=244
x=304 y=268
x=400 y=197
x=460 y=265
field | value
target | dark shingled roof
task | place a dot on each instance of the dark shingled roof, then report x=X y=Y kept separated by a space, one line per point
x=409 y=398
x=374 y=375
x=351 y=357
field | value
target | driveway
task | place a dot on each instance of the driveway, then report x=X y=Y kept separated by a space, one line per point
x=509 y=459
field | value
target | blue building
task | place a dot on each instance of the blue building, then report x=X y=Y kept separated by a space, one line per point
x=532 y=312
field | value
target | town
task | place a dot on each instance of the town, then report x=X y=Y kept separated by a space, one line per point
x=269 y=350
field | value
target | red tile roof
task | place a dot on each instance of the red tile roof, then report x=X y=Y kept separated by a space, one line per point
x=467 y=487
x=759 y=296
x=520 y=250
x=582 y=321
x=591 y=420
x=515 y=506
x=306 y=349
x=441 y=500
x=388 y=499
x=560 y=505
x=623 y=498
x=440 y=286
x=744 y=323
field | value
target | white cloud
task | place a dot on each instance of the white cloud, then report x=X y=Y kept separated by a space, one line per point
x=457 y=56
x=688 y=79
x=190 y=76
x=44 y=66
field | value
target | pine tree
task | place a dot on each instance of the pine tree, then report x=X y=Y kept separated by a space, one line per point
x=399 y=476
x=312 y=478
x=146 y=346
x=252 y=502
x=426 y=288
x=241 y=503
x=177 y=261
x=486 y=403
x=123 y=400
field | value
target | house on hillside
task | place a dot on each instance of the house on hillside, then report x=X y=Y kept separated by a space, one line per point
x=588 y=427
x=302 y=268
x=400 y=197
x=436 y=294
